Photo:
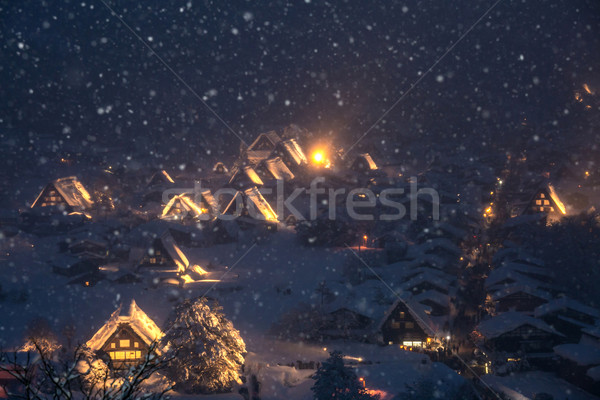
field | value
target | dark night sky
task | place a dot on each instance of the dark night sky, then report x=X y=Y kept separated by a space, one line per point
x=72 y=71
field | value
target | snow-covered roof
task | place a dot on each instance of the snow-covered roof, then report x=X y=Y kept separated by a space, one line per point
x=270 y=139
x=517 y=288
x=136 y=319
x=435 y=279
x=71 y=190
x=293 y=149
x=276 y=169
x=261 y=204
x=160 y=177
x=439 y=243
x=565 y=303
x=594 y=373
x=419 y=312
x=181 y=202
x=509 y=321
x=515 y=254
x=246 y=173
x=433 y=296
x=580 y=354
x=498 y=275
x=366 y=160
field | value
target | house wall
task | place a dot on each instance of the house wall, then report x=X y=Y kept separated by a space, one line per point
x=125 y=348
x=401 y=327
x=525 y=338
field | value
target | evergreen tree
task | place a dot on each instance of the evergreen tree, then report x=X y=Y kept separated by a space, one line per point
x=208 y=351
x=333 y=380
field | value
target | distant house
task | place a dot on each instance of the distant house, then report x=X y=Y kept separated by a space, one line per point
x=346 y=323
x=568 y=316
x=519 y=297
x=89 y=248
x=426 y=281
x=66 y=193
x=244 y=178
x=250 y=204
x=220 y=168
x=408 y=324
x=513 y=332
x=438 y=303
x=160 y=178
x=262 y=147
x=274 y=169
x=580 y=365
x=71 y=266
x=183 y=207
x=291 y=154
x=545 y=201
x=126 y=339
x=363 y=163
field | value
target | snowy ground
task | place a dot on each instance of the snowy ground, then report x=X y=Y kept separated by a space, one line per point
x=252 y=294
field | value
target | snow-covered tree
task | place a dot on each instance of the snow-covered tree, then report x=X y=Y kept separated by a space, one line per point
x=333 y=380
x=208 y=351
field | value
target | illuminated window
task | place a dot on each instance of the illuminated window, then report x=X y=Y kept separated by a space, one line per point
x=402 y=315
x=546 y=202
x=113 y=345
x=409 y=325
x=130 y=355
x=542 y=209
x=136 y=344
x=551 y=209
x=119 y=355
x=124 y=343
x=542 y=196
x=395 y=325
x=538 y=202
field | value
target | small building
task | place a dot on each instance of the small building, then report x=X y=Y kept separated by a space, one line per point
x=363 y=163
x=184 y=207
x=274 y=169
x=262 y=147
x=67 y=194
x=220 y=168
x=160 y=178
x=545 y=201
x=250 y=203
x=291 y=154
x=408 y=324
x=244 y=178
x=126 y=339
x=513 y=332
x=580 y=364
x=519 y=298
x=568 y=316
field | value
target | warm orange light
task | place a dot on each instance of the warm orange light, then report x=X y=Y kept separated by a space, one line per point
x=318 y=157
x=365 y=237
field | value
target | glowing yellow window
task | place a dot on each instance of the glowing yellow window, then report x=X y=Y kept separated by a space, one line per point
x=130 y=355
x=138 y=354
x=542 y=209
x=136 y=344
x=542 y=196
x=124 y=343
x=113 y=345
x=538 y=202
x=112 y=355
x=546 y=202
x=119 y=355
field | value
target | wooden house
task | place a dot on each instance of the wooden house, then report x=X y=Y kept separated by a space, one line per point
x=408 y=324
x=250 y=204
x=160 y=178
x=513 y=332
x=579 y=364
x=363 y=163
x=519 y=297
x=244 y=178
x=544 y=201
x=273 y=169
x=65 y=193
x=291 y=154
x=262 y=147
x=568 y=316
x=184 y=207
x=126 y=339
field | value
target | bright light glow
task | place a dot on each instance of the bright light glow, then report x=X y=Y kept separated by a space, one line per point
x=318 y=157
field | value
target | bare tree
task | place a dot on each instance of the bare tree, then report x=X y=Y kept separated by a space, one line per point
x=83 y=376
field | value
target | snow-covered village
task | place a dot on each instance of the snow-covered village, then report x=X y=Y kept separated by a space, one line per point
x=299 y=200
